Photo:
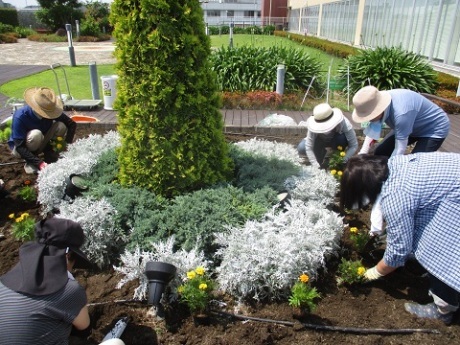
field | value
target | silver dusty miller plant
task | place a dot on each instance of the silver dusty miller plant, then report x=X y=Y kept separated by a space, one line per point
x=262 y=259
x=96 y=217
x=79 y=158
x=133 y=265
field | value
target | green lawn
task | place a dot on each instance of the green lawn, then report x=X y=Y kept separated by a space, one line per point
x=79 y=78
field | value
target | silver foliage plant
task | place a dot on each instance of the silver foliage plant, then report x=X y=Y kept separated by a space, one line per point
x=133 y=265
x=271 y=149
x=96 y=217
x=79 y=158
x=262 y=259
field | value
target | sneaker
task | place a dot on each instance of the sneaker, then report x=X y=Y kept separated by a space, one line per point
x=30 y=169
x=428 y=311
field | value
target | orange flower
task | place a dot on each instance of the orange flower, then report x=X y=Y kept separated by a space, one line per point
x=27 y=182
x=304 y=278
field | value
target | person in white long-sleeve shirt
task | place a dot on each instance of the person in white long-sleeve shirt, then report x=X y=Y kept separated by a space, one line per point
x=412 y=119
x=327 y=127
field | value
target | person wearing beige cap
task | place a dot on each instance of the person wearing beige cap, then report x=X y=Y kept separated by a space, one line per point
x=327 y=127
x=35 y=124
x=411 y=117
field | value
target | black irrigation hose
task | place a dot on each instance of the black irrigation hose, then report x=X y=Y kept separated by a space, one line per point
x=256 y=135
x=334 y=328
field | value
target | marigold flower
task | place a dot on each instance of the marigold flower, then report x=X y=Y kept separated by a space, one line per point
x=339 y=173
x=58 y=146
x=191 y=274
x=203 y=286
x=340 y=148
x=361 y=270
x=59 y=139
x=333 y=171
x=304 y=278
x=11 y=216
x=199 y=270
x=180 y=289
x=354 y=229
x=342 y=154
x=18 y=220
x=27 y=182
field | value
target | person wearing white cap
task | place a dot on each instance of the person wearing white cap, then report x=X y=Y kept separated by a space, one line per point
x=35 y=124
x=327 y=127
x=412 y=119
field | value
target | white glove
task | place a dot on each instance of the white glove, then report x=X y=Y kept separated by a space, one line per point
x=372 y=274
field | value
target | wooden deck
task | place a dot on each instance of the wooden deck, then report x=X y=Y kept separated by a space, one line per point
x=235 y=120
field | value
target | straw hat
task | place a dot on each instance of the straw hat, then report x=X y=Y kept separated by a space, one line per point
x=44 y=102
x=369 y=103
x=324 y=118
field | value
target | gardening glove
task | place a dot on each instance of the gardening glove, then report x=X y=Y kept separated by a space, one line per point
x=42 y=165
x=372 y=274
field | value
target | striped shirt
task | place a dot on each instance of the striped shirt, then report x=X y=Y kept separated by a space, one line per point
x=421 y=206
x=39 y=320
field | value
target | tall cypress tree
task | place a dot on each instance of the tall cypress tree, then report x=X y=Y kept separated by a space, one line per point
x=168 y=104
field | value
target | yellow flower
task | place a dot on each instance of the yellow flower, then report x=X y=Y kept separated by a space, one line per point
x=333 y=171
x=342 y=154
x=340 y=148
x=199 y=270
x=339 y=173
x=180 y=289
x=361 y=270
x=202 y=286
x=191 y=274
x=304 y=278
x=25 y=215
x=11 y=216
x=18 y=220
x=58 y=146
x=354 y=229
x=59 y=139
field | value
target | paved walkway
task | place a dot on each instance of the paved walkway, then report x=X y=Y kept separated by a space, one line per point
x=26 y=57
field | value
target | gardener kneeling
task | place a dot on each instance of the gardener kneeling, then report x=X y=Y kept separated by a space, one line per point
x=40 y=300
x=36 y=125
x=327 y=127
x=420 y=202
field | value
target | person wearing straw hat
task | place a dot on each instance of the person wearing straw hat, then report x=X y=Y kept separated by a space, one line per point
x=327 y=127
x=412 y=119
x=40 y=300
x=420 y=201
x=36 y=124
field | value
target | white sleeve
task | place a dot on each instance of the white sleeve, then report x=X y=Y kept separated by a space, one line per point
x=309 y=143
x=376 y=218
x=366 y=145
x=400 y=147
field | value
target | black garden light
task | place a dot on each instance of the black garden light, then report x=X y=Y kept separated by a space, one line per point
x=75 y=185
x=159 y=274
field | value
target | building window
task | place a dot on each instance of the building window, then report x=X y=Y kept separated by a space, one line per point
x=213 y=13
x=249 y=14
x=230 y=14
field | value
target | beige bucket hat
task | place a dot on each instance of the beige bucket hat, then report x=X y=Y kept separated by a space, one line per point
x=324 y=118
x=369 y=103
x=44 y=102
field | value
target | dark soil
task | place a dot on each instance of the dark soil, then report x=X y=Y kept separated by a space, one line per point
x=377 y=305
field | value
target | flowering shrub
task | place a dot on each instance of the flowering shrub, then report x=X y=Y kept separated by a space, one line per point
x=350 y=272
x=58 y=144
x=359 y=238
x=196 y=291
x=260 y=259
x=303 y=295
x=23 y=226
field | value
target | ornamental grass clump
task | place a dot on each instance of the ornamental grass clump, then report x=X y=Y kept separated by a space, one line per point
x=196 y=291
x=23 y=226
x=303 y=295
x=350 y=272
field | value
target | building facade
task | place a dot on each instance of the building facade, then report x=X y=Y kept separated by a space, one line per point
x=430 y=28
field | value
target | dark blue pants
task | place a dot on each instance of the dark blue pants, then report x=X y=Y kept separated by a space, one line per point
x=443 y=291
x=387 y=146
x=319 y=147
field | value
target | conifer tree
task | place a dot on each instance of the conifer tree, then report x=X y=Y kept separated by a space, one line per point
x=168 y=104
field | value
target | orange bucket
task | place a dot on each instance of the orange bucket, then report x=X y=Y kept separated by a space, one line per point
x=83 y=118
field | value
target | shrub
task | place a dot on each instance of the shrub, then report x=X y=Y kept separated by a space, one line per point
x=389 y=68
x=249 y=68
x=163 y=64
x=89 y=27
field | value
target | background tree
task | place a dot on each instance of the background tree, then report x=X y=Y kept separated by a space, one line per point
x=98 y=12
x=168 y=105
x=57 y=13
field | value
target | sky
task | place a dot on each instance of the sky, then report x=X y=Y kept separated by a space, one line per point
x=23 y=3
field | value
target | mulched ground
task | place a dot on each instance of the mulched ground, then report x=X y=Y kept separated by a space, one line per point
x=377 y=305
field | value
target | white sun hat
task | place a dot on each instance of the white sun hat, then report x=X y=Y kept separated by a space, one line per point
x=324 y=118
